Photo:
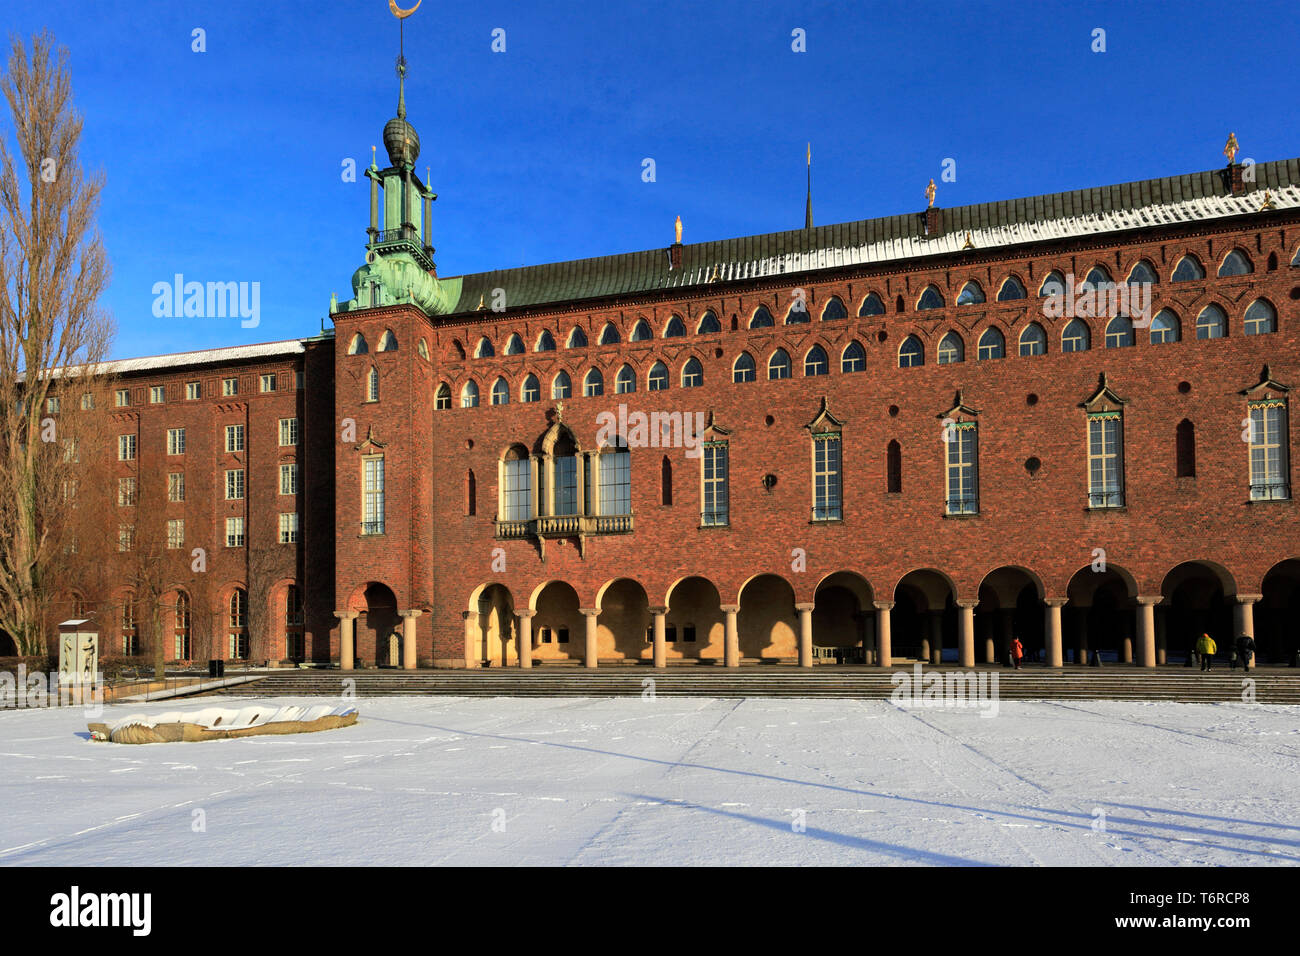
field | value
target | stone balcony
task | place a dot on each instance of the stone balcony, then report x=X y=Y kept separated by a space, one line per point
x=564 y=526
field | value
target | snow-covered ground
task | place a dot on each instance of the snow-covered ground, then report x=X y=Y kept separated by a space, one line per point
x=667 y=781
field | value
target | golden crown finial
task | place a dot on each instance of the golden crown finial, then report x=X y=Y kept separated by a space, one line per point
x=1231 y=149
x=677 y=230
x=929 y=193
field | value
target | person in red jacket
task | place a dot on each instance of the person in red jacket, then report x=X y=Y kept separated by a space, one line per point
x=1017 y=652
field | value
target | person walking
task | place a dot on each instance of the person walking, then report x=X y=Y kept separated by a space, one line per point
x=1017 y=652
x=1206 y=649
x=1245 y=650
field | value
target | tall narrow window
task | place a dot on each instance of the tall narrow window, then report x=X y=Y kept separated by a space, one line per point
x=181 y=633
x=372 y=495
x=962 y=450
x=894 y=468
x=238 y=625
x=666 y=482
x=372 y=385
x=1269 y=467
x=1185 y=450
x=714 y=500
x=471 y=493
x=1105 y=460
x=827 y=499
x=616 y=480
x=517 y=485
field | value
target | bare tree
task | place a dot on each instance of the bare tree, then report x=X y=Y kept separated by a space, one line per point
x=53 y=334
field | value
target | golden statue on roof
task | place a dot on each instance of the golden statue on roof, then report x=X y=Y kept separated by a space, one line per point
x=929 y=193
x=677 y=229
x=1231 y=149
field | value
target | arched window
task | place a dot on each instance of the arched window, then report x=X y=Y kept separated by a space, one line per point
x=561 y=386
x=675 y=328
x=516 y=485
x=1295 y=260
x=531 y=390
x=657 y=380
x=797 y=314
x=1165 y=327
x=640 y=332
x=500 y=392
x=761 y=319
x=1236 y=263
x=625 y=381
x=666 y=482
x=708 y=323
x=609 y=334
x=898 y=303
x=951 y=349
x=911 y=353
x=1189 y=269
x=815 y=362
x=1012 y=289
x=1260 y=318
x=971 y=294
x=992 y=345
x=930 y=299
x=778 y=366
x=577 y=339
x=372 y=384
x=471 y=493
x=238 y=625
x=1076 y=337
x=545 y=342
x=457 y=350
x=1053 y=284
x=1099 y=278
x=422 y=349
x=872 y=305
x=1119 y=332
x=894 y=468
x=514 y=344
x=1185 y=450
x=1143 y=274
x=469 y=395
x=1212 y=323
x=1033 y=340
x=594 y=384
x=853 y=358
x=1272 y=262
x=692 y=374
x=743 y=370
x=834 y=309
x=358 y=345
x=388 y=341
x=442 y=398
x=484 y=348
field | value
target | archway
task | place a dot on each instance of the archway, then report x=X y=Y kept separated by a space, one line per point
x=767 y=627
x=1010 y=605
x=494 y=635
x=843 y=619
x=1277 y=616
x=379 y=633
x=925 y=616
x=696 y=620
x=623 y=628
x=559 y=628
x=1197 y=600
x=1100 y=615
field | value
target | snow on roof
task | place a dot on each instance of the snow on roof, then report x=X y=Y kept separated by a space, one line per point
x=235 y=353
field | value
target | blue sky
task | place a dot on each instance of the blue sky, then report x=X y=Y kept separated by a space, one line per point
x=226 y=165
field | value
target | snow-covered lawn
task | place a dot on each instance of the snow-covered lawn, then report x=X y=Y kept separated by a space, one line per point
x=667 y=781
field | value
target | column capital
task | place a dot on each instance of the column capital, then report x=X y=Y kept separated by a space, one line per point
x=347 y=615
x=412 y=613
x=804 y=605
x=589 y=611
x=729 y=608
x=657 y=610
x=525 y=612
x=1056 y=602
x=883 y=605
x=1249 y=598
x=1146 y=599
x=967 y=603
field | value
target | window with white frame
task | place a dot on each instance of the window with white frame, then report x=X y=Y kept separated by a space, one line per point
x=126 y=537
x=288 y=432
x=1269 y=465
x=175 y=533
x=1105 y=460
x=126 y=448
x=122 y=397
x=267 y=382
x=827 y=498
x=516 y=486
x=157 y=394
x=175 y=441
x=126 y=492
x=234 y=532
x=176 y=486
x=234 y=484
x=192 y=391
x=714 y=498
x=234 y=438
x=230 y=386
x=616 y=480
x=52 y=405
x=289 y=478
x=372 y=494
x=962 y=468
x=288 y=527
x=87 y=401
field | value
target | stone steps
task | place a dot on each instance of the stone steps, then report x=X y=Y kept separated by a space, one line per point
x=1278 y=686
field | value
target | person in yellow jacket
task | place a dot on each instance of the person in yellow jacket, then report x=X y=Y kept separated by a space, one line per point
x=1206 y=649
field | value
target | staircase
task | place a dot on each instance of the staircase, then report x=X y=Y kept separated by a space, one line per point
x=1120 y=682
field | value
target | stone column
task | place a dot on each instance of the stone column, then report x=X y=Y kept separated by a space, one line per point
x=347 y=645
x=990 y=647
x=936 y=637
x=1162 y=635
x=660 y=641
x=966 y=633
x=1243 y=616
x=526 y=637
x=1146 y=628
x=589 y=652
x=883 y=649
x=1055 y=655
x=731 y=640
x=805 y=633
x=408 y=638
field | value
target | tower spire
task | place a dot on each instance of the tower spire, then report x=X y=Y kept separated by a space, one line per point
x=807 y=215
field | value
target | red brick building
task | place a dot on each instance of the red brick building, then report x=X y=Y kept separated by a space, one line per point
x=898 y=437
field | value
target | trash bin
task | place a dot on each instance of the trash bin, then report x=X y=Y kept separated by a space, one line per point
x=216 y=668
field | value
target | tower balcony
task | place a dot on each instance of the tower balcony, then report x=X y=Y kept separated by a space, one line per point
x=564 y=526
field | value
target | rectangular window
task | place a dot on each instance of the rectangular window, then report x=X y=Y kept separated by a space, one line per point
x=126 y=448
x=234 y=438
x=714 y=497
x=176 y=486
x=372 y=495
x=288 y=528
x=1105 y=461
x=175 y=441
x=289 y=479
x=566 y=485
x=827 y=503
x=125 y=537
x=615 y=482
x=562 y=636
x=268 y=382
x=122 y=397
x=192 y=391
x=230 y=386
x=962 y=444
x=52 y=405
x=1269 y=452
x=87 y=401
x=234 y=532
x=234 y=484
x=175 y=533
x=688 y=633
x=517 y=497
x=288 y=432
x=157 y=394
x=126 y=492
